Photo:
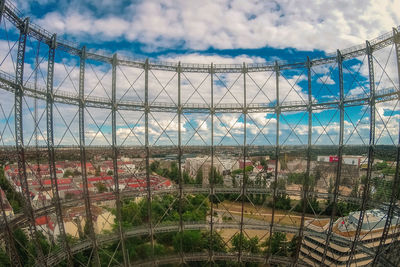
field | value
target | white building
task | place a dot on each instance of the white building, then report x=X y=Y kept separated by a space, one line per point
x=222 y=165
x=347 y=159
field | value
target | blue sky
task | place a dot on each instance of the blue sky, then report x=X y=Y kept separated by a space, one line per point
x=220 y=32
x=254 y=28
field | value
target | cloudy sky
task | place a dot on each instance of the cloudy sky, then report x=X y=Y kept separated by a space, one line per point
x=217 y=31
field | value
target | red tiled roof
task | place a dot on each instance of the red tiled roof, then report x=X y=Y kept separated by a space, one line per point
x=64 y=187
x=45 y=220
x=42 y=220
x=96 y=179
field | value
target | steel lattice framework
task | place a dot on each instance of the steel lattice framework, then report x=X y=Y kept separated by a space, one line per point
x=18 y=85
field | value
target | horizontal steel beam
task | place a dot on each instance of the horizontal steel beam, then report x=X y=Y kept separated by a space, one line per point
x=12 y=14
x=217 y=256
x=21 y=220
x=7 y=83
x=57 y=256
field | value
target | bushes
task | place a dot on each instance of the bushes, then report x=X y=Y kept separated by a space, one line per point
x=15 y=199
x=248 y=244
x=311 y=207
x=342 y=208
x=194 y=208
x=278 y=245
x=282 y=202
x=192 y=241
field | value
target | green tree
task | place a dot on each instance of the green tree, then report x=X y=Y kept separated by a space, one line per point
x=380 y=166
x=26 y=248
x=165 y=238
x=312 y=206
x=292 y=246
x=186 y=178
x=355 y=191
x=342 y=208
x=389 y=171
x=101 y=187
x=331 y=187
x=383 y=189
x=154 y=166
x=199 y=176
x=130 y=214
x=174 y=173
x=234 y=182
x=277 y=244
x=264 y=163
x=217 y=243
x=282 y=202
x=22 y=245
x=247 y=244
x=4 y=260
x=215 y=177
x=68 y=173
x=144 y=251
x=249 y=168
x=192 y=241
x=15 y=198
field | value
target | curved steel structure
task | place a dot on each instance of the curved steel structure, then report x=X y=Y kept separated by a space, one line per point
x=318 y=239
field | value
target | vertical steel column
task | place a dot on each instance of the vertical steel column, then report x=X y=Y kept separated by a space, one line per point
x=307 y=174
x=146 y=117
x=38 y=174
x=212 y=194
x=277 y=152
x=35 y=114
x=9 y=238
x=50 y=147
x=340 y=155
x=89 y=216
x=115 y=156
x=371 y=150
x=180 y=163
x=2 y=4
x=396 y=182
x=243 y=193
x=19 y=138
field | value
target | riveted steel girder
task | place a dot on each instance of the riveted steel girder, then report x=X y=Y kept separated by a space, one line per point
x=82 y=146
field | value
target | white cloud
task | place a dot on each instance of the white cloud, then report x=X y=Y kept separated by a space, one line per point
x=223 y=24
x=326 y=80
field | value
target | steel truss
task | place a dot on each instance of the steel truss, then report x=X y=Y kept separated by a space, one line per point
x=21 y=88
x=395 y=192
x=201 y=225
x=230 y=257
x=21 y=221
x=7 y=233
x=89 y=216
x=115 y=157
x=19 y=72
x=371 y=148
x=50 y=147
